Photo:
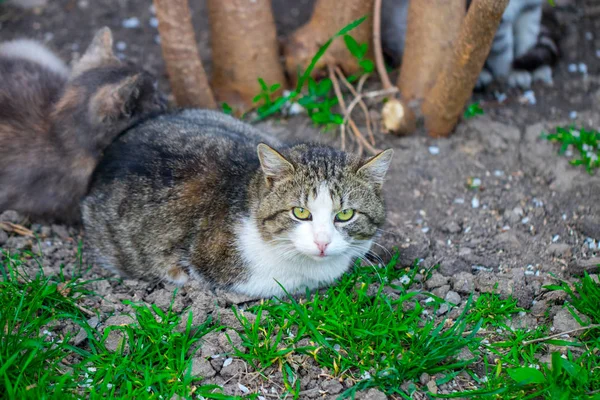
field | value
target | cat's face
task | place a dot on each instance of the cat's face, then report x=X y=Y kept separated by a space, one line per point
x=321 y=203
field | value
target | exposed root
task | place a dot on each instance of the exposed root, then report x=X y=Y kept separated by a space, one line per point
x=18 y=229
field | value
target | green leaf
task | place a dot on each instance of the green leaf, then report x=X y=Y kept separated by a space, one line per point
x=324 y=86
x=257 y=98
x=263 y=84
x=353 y=46
x=274 y=87
x=226 y=109
x=367 y=65
x=526 y=375
x=312 y=86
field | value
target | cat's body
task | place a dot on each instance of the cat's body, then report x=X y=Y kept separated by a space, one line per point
x=521 y=50
x=188 y=194
x=55 y=123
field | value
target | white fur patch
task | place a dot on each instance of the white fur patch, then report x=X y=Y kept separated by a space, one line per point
x=294 y=260
x=31 y=50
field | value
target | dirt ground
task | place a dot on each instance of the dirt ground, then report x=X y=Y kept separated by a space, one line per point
x=532 y=215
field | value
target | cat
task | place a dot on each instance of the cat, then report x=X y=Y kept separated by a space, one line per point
x=55 y=122
x=522 y=51
x=197 y=193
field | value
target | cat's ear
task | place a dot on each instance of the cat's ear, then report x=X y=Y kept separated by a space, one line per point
x=98 y=53
x=375 y=168
x=273 y=164
x=123 y=99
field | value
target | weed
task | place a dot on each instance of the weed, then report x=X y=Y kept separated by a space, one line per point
x=586 y=142
x=473 y=110
x=319 y=99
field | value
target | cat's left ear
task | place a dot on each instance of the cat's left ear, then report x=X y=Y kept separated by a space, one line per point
x=273 y=164
x=374 y=169
x=121 y=100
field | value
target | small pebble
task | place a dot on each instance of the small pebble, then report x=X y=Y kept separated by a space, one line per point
x=121 y=46
x=467 y=229
x=476 y=182
x=589 y=36
x=459 y=200
x=48 y=36
x=425 y=229
x=555 y=238
x=131 y=23
x=152 y=9
x=227 y=362
x=157 y=39
x=154 y=22
x=434 y=150
x=525 y=220
x=498 y=173
x=83 y=4
x=573 y=68
x=573 y=114
x=475 y=202
x=582 y=68
x=243 y=388
x=296 y=109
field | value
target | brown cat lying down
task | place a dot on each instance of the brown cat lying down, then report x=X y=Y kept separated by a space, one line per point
x=55 y=123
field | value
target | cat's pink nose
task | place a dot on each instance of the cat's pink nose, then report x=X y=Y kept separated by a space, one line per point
x=322 y=245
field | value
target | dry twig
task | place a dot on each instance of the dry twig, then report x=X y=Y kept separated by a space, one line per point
x=361 y=102
x=18 y=229
x=583 y=328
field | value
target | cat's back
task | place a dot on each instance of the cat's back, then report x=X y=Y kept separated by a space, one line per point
x=173 y=147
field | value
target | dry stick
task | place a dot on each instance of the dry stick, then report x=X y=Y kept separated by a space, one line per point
x=361 y=82
x=362 y=103
x=369 y=95
x=338 y=94
x=379 y=64
x=583 y=328
x=180 y=51
x=445 y=102
x=18 y=229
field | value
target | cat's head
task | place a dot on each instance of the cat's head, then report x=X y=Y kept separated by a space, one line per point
x=104 y=96
x=320 y=203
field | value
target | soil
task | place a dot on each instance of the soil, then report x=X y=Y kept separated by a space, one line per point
x=532 y=216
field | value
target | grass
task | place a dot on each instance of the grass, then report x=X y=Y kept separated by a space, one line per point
x=39 y=361
x=585 y=142
x=374 y=329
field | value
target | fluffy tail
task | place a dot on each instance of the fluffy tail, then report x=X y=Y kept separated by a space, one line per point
x=546 y=51
x=36 y=52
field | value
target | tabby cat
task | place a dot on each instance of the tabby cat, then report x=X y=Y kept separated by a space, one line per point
x=199 y=194
x=522 y=50
x=55 y=122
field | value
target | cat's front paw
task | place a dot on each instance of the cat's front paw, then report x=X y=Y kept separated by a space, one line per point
x=519 y=78
x=543 y=74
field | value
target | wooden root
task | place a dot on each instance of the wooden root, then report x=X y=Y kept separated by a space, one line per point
x=180 y=51
x=432 y=28
x=446 y=100
x=244 y=48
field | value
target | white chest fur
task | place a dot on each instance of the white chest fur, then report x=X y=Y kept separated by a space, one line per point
x=271 y=263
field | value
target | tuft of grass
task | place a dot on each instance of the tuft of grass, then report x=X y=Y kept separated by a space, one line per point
x=368 y=329
x=39 y=361
x=492 y=310
x=586 y=142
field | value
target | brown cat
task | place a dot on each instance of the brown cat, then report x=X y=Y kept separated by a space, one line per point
x=55 y=123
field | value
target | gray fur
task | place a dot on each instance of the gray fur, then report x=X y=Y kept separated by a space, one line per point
x=170 y=196
x=54 y=124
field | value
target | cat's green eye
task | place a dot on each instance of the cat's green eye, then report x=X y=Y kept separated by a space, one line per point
x=301 y=213
x=344 y=215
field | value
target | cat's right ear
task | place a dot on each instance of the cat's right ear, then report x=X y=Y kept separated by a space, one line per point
x=99 y=53
x=273 y=164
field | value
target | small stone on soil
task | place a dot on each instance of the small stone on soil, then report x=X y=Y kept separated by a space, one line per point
x=131 y=23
